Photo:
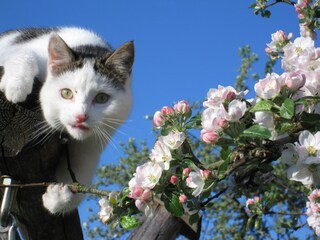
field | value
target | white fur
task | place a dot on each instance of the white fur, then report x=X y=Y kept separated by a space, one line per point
x=22 y=62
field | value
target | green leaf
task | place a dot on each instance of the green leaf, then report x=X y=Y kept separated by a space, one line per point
x=287 y=109
x=129 y=222
x=263 y=105
x=257 y=131
x=173 y=205
x=194 y=218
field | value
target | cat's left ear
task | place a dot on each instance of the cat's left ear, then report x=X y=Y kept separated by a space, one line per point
x=122 y=60
x=59 y=54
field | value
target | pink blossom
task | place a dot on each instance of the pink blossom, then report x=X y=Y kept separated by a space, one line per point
x=236 y=110
x=174 y=180
x=251 y=202
x=146 y=176
x=183 y=198
x=196 y=180
x=207 y=173
x=294 y=80
x=186 y=171
x=214 y=119
x=209 y=137
x=182 y=107
x=279 y=36
x=269 y=87
x=146 y=195
x=167 y=111
x=158 y=119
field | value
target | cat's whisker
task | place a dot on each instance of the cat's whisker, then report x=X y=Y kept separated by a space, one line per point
x=107 y=137
x=114 y=128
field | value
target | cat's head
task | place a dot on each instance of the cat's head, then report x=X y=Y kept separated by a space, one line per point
x=86 y=93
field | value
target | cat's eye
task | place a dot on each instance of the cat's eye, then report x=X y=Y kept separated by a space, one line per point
x=66 y=93
x=101 y=98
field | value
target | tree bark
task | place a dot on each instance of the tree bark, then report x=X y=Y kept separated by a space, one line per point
x=27 y=160
x=163 y=226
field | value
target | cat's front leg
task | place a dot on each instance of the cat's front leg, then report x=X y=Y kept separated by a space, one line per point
x=20 y=69
x=59 y=199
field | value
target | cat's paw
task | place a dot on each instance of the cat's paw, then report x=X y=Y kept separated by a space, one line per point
x=57 y=198
x=19 y=73
x=16 y=91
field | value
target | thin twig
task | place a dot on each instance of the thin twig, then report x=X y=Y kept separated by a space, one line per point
x=74 y=187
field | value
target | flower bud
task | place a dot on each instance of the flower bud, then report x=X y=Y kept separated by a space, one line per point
x=207 y=173
x=158 y=119
x=174 y=180
x=183 y=198
x=186 y=171
x=167 y=111
x=146 y=195
x=295 y=80
x=182 y=107
x=209 y=137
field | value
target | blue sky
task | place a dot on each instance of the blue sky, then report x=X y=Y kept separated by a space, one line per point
x=183 y=47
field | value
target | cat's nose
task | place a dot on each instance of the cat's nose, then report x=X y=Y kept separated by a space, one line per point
x=81 y=118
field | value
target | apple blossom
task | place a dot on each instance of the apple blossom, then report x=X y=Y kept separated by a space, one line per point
x=161 y=154
x=182 y=107
x=146 y=176
x=269 y=87
x=165 y=111
x=313 y=211
x=174 y=180
x=196 y=180
x=294 y=80
x=158 y=119
x=236 y=110
x=106 y=210
x=183 y=198
x=251 y=203
x=186 y=171
x=209 y=137
x=173 y=140
x=303 y=159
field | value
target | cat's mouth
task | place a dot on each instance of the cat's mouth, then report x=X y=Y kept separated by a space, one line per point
x=81 y=127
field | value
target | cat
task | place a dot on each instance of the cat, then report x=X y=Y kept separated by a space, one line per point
x=86 y=93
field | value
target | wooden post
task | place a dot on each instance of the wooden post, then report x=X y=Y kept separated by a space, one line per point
x=28 y=162
x=164 y=226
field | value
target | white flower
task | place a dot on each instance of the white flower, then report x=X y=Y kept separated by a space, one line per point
x=269 y=87
x=303 y=159
x=106 y=210
x=236 y=110
x=213 y=119
x=173 y=140
x=147 y=175
x=161 y=154
x=196 y=180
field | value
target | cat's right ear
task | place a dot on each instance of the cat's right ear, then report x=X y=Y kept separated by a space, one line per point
x=59 y=54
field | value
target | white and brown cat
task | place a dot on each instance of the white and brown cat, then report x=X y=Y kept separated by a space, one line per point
x=86 y=93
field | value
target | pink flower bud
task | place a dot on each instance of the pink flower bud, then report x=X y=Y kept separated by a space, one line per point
x=279 y=36
x=207 y=173
x=186 y=171
x=230 y=96
x=158 y=120
x=146 y=195
x=183 y=198
x=174 y=180
x=137 y=192
x=267 y=50
x=167 y=111
x=295 y=80
x=209 y=137
x=182 y=107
